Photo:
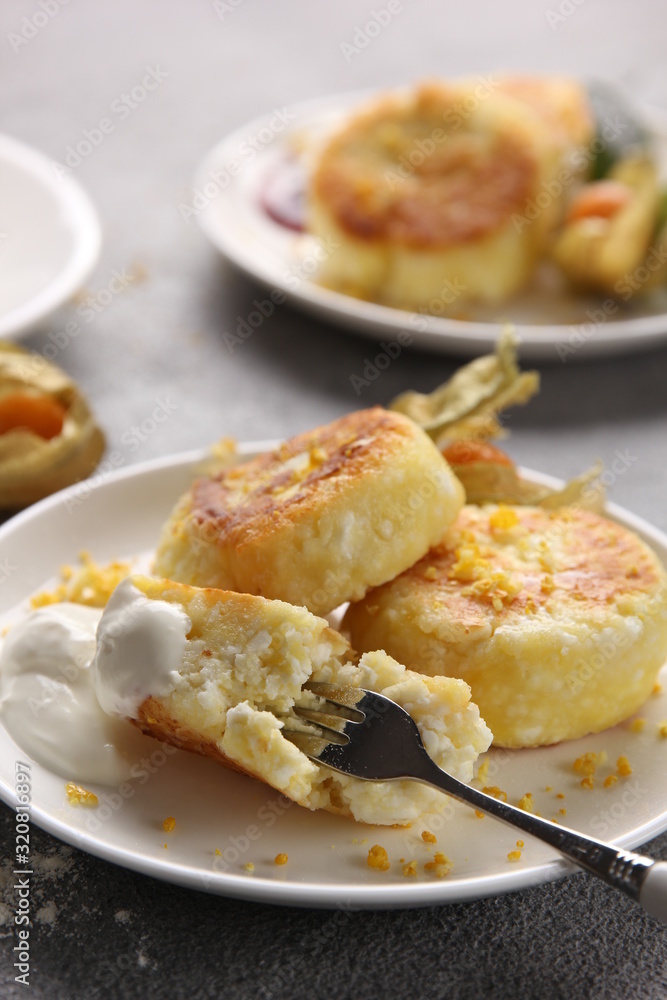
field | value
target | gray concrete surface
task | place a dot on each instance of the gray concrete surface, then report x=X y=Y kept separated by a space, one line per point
x=101 y=931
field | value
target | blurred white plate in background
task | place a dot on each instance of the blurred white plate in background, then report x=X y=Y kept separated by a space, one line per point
x=49 y=237
x=553 y=323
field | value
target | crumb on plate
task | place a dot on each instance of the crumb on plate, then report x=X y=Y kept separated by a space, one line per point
x=89 y=584
x=439 y=866
x=378 y=858
x=623 y=766
x=483 y=771
x=496 y=792
x=78 y=796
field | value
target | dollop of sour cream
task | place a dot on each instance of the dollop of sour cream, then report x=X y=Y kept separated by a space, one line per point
x=48 y=702
x=71 y=677
x=140 y=647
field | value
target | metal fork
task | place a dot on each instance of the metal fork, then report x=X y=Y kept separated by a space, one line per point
x=366 y=735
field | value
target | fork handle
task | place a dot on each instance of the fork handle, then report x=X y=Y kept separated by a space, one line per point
x=641 y=878
x=653 y=892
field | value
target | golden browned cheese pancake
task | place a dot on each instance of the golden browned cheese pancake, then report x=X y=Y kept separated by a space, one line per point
x=561 y=104
x=421 y=191
x=556 y=619
x=319 y=520
x=244 y=666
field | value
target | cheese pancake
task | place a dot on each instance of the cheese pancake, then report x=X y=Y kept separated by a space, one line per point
x=319 y=520
x=244 y=665
x=556 y=619
x=422 y=191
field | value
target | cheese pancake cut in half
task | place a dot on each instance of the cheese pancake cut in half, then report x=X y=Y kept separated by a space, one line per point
x=556 y=619
x=421 y=192
x=321 y=519
x=230 y=674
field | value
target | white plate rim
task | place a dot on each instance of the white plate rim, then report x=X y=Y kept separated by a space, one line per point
x=305 y=894
x=463 y=338
x=85 y=225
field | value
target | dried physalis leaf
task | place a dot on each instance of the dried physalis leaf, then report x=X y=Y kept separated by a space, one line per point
x=468 y=404
x=48 y=436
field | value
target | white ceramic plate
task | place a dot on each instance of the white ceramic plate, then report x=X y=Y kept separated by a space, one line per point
x=247 y=821
x=49 y=237
x=553 y=324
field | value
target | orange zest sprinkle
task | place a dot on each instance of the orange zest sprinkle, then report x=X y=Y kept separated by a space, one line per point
x=503 y=519
x=378 y=858
x=496 y=792
x=587 y=763
x=483 y=771
x=78 y=796
x=440 y=866
x=623 y=766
